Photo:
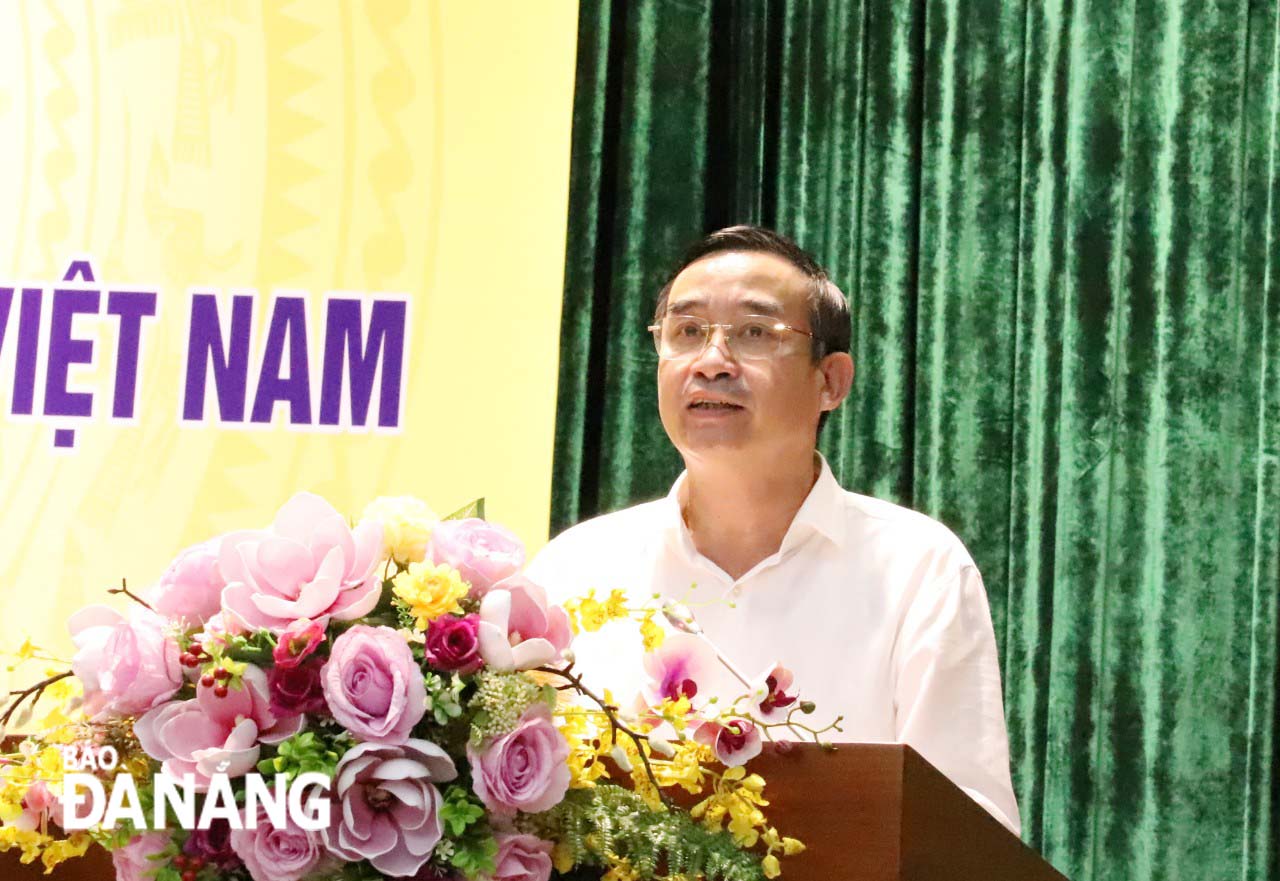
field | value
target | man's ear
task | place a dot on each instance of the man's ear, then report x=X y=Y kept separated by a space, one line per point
x=837 y=379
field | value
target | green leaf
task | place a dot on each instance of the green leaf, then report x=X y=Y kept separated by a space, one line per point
x=304 y=752
x=460 y=810
x=255 y=649
x=471 y=509
x=359 y=871
x=474 y=856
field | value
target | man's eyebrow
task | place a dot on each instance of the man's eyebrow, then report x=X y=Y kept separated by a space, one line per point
x=763 y=307
x=679 y=307
x=751 y=306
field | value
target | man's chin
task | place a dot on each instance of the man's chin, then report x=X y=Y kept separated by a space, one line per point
x=713 y=438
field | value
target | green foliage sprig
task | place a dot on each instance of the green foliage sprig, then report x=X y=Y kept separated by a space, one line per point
x=460 y=810
x=304 y=753
x=444 y=696
x=594 y=823
x=253 y=649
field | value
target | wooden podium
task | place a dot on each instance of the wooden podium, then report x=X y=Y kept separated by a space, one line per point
x=866 y=812
x=880 y=812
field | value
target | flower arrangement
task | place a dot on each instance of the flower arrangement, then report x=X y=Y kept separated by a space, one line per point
x=393 y=698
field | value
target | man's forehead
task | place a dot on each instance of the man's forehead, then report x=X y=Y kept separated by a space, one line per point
x=750 y=281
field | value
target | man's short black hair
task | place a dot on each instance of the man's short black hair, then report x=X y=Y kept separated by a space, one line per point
x=828 y=309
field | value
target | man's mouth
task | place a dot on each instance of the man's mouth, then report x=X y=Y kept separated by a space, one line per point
x=714 y=405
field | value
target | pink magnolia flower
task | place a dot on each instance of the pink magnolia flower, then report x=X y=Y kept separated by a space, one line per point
x=735 y=742
x=278 y=853
x=769 y=694
x=297 y=641
x=390 y=806
x=518 y=629
x=522 y=858
x=676 y=668
x=131 y=861
x=524 y=770
x=190 y=590
x=127 y=665
x=210 y=734
x=309 y=564
x=373 y=684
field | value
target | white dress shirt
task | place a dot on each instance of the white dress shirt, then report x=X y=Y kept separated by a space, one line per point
x=878 y=610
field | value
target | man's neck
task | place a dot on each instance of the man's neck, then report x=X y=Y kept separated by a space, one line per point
x=738 y=517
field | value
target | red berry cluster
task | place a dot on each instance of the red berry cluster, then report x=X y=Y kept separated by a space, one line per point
x=188 y=866
x=193 y=656
x=217 y=679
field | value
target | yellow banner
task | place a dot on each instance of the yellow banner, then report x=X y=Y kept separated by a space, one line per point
x=259 y=248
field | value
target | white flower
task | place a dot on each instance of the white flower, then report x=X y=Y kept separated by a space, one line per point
x=407 y=523
x=619 y=756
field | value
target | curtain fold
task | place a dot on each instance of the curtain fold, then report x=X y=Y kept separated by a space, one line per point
x=1056 y=224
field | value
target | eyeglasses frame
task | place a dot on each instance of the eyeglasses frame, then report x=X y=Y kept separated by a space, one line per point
x=726 y=327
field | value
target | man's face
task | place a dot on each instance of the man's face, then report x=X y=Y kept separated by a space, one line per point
x=714 y=403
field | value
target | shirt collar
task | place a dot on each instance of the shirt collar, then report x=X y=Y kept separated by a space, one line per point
x=823 y=508
x=821 y=512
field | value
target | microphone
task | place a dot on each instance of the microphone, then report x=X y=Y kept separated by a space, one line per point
x=681 y=618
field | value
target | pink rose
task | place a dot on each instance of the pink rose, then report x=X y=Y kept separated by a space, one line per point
x=373 y=684
x=482 y=552
x=522 y=858
x=524 y=770
x=213 y=845
x=519 y=630
x=278 y=853
x=298 y=689
x=210 y=734
x=453 y=644
x=309 y=564
x=190 y=590
x=127 y=666
x=297 y=641
x=132 y=861
x=390 y=807
x=735 y=742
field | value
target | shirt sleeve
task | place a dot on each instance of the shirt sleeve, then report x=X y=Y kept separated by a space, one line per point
x=948 y=702
x=556 y=568
x=567 y=567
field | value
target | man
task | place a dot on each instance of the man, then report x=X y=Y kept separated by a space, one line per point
x=878 y=611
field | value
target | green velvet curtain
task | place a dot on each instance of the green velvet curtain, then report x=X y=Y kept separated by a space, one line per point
x=1056 y=222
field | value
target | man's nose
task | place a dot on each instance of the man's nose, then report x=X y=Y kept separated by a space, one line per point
x=716 y=358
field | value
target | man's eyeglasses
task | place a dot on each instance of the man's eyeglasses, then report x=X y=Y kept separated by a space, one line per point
x=755 y=337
